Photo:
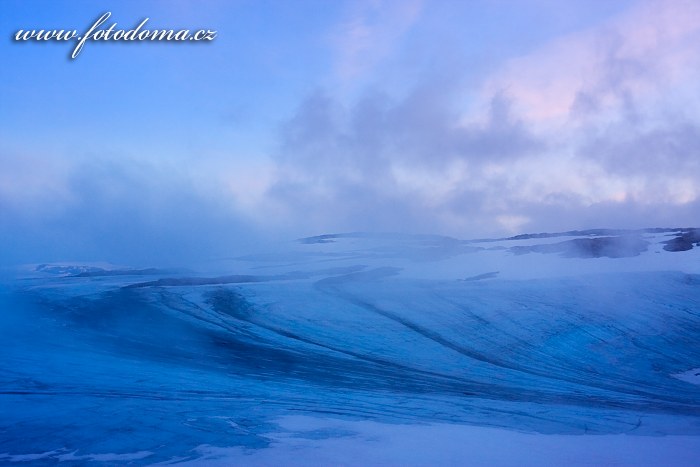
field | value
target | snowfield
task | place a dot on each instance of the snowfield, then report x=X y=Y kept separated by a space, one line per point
x=580 y=348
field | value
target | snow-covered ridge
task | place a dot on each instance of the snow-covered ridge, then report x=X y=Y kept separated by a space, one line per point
x=388 y=247
x=594 y=243
x=519 y=257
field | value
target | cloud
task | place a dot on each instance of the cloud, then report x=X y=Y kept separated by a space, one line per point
x=408 y=130
x=595 y=125
x=668 y=149
x=369 y=34
x=391 y=164
x=636 y=56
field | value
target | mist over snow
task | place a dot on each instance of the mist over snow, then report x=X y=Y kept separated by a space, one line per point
x=124 y=211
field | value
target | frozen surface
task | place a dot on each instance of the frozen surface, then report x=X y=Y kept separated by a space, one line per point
x=302 y=441
x=690 y=376
x=360 y=349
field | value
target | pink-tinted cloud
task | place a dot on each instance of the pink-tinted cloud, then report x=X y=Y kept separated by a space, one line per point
x=640 y=55
x=578 y=123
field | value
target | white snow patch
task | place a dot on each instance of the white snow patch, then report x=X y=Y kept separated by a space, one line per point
x=370 y=443
x=691 y=376
x=27 y=457
x=62 y=456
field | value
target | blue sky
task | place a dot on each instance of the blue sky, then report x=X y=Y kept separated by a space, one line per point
x=466 y=118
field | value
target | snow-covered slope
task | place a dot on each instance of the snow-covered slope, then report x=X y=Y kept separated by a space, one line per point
x=593 y=332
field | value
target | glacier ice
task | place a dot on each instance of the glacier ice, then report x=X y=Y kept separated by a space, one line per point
x=350 y=333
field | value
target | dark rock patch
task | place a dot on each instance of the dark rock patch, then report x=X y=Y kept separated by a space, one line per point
x=608 y=247
x=684 y=241
x=487 y=275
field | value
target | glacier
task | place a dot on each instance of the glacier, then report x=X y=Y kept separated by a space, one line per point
x=353 y=349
